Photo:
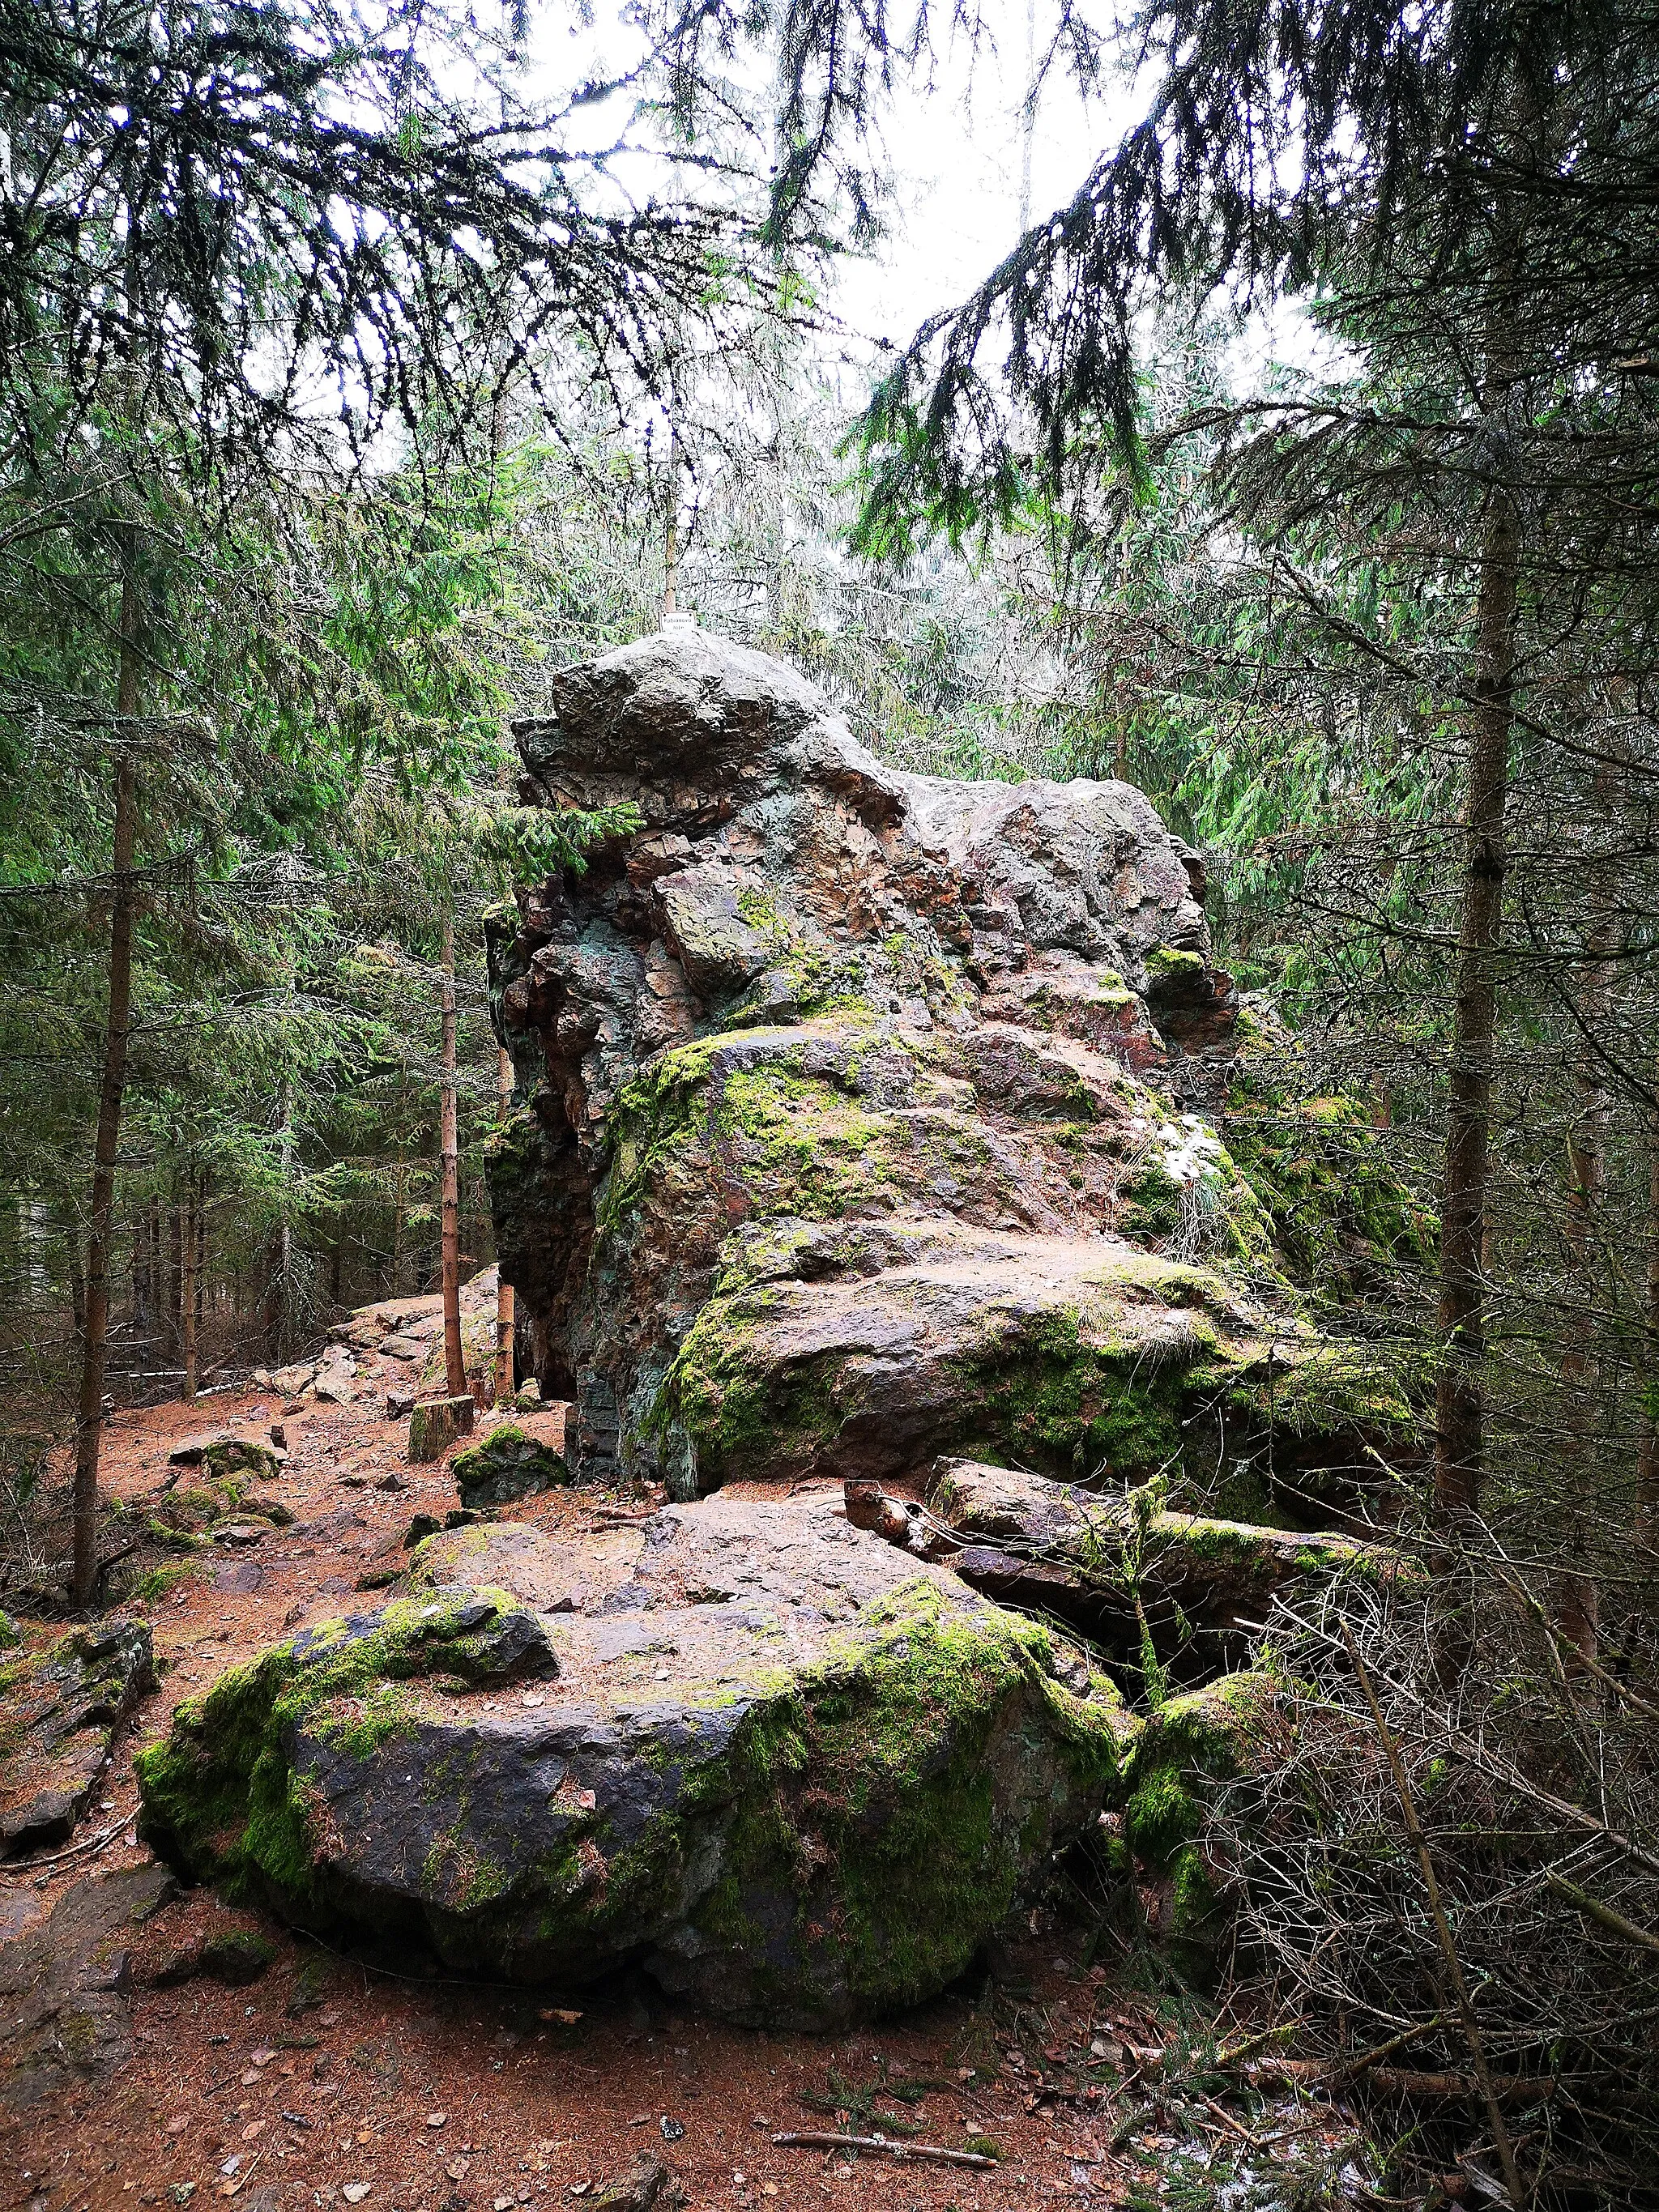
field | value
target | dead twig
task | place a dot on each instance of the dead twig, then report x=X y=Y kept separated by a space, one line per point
x=1593 y=1909
x=811 y=2139
x=1441 y=1926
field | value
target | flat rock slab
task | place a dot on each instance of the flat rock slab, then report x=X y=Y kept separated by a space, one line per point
x=62 y=1982
x=1089 y=1555
x=62 y=1709
x=796 y=1774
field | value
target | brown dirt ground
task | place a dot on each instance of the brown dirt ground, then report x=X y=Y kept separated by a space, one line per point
x=443 y=2096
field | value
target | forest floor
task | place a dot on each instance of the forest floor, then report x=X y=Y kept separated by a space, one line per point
x=330 y=2080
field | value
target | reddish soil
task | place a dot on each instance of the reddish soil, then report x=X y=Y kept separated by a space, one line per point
x=325 y=2073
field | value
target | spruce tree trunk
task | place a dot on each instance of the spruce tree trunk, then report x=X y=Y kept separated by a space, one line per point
x=454 y=1364
x=89 y=1414
x=505 y=1372
x=175 y=1309
x=1459 y=1424
x=78 y=1281
x=187 y=1289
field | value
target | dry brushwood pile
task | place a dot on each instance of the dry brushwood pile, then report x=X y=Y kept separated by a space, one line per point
x=944 y=1637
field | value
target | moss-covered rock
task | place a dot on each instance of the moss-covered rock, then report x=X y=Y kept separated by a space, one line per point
x=1124 y=1567
x=224 y=1454
x=508 y=1463
x=1190 y=1746
x=865 y=1350
x=801 y=1774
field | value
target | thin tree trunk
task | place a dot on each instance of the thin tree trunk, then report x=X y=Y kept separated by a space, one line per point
x=505 y=1372
x=187 y=1291
x=201 y=1255
x=1459 y=1423
x=1577 y=1604
x=1647 y=1466
x=175 y=1306
x=454 y=1364
x=90 y=1411
x=78 y=1281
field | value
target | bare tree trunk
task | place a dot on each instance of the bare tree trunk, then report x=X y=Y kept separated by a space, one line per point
x=505 y=1372
x=1459 y=1424
x=89 y=1413
x=78 y=1281
x=187 y=1291
x=1647 y=1465
x=1577 y=1603
x=201 y=1254
x=454 y=1364
x=175 y=1305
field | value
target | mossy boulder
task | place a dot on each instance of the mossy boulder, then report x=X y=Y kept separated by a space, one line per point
x=508 y=1463
x=797 y=1775
x=223 y=1455
x=867 y=1349
x=1190 y=1748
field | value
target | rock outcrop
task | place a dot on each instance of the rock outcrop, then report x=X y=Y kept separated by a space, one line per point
x=796 y=1774
x=61 y=1708
x=866 y=1126
x=861 y=1115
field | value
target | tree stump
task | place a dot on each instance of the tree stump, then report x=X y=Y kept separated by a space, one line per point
x=435 y=1425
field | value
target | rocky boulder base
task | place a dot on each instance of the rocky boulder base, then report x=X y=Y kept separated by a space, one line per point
x=798 y=1774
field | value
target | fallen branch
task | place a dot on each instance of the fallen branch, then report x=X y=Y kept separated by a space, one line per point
x=1251 y=2043
x=812 y=2140
x=20 y=1869
x=1394 y=2080
x=1593 y=1909
x=1369 y=2059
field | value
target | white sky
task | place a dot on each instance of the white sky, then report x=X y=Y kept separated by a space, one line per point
x=957 y=157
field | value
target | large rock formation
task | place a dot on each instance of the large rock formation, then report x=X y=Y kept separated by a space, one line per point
x=860 y=1112
x=862 y=1119
x=798 y=1774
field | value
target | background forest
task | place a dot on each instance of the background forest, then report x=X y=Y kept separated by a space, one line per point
x=358 y=371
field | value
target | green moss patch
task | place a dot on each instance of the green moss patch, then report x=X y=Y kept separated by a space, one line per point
x=219 y=1796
